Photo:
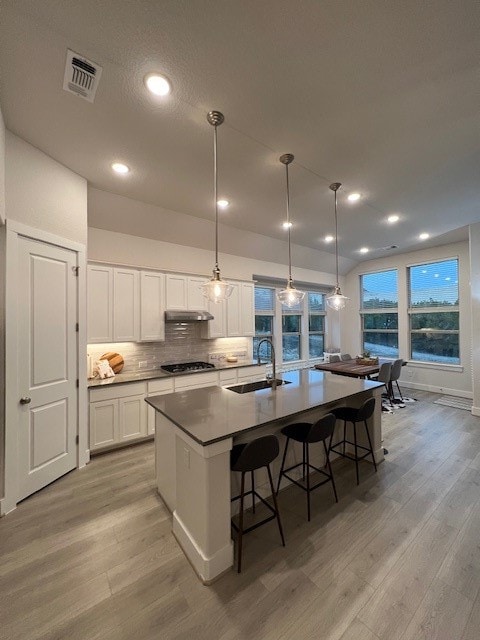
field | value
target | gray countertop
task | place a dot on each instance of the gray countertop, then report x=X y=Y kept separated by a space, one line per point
x=212 y=414
x=139 y=376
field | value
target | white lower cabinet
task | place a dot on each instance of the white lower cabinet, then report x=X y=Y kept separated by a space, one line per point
x=119 y=413
x=156 y=388
x=132 y=417
x=103 y=424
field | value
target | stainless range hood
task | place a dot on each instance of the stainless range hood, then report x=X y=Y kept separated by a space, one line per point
x=174 y=315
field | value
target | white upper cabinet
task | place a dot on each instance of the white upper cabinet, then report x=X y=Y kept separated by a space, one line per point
x=126 y=326
x=247 y=309
x=99 y=303
x=152 y=306
x=216 y=328
x=234 y=311
x=176 y=291
x=196 y=301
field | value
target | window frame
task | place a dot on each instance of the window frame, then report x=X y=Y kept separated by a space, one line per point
x=393 y=310
x=415 y=310
x=264 y=312
x=310 y=313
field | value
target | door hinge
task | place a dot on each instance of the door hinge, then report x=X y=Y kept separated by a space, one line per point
x=75 y=270
x=78 y=383
x=77 y=439
x=77 y=327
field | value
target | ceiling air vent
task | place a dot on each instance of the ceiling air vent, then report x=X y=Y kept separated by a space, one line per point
x=389 y=248
x=81 y=76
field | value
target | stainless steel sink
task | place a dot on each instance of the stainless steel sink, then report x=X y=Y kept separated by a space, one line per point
x=256 y=386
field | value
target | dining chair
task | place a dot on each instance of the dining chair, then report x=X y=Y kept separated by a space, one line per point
x=395 y=375
x=334 y=358
x=346 y=356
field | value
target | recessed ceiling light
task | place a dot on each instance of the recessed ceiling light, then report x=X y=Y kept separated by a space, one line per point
x=120 y=168
x=364 y=250
x=329 y=238
x=353 y=197
x=287 y=225
x=393 y=218
x=424 y=236
x=157 y=84
x=223 y=204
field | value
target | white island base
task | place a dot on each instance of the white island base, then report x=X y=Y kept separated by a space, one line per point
x=195 y=480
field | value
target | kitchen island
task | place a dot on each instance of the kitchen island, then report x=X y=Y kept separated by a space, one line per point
x=195 y=431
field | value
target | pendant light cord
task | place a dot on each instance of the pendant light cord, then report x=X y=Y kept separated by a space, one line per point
x=336 y=239
x=288 y=228
x=215 y=186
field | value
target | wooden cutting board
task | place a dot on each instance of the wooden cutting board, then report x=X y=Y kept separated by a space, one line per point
x=115 y=360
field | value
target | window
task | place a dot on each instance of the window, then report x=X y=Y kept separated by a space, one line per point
x=379 y=302
x=291 y=332
x=316 y=324
x=301 y=328
x=433 y=311
x=264 y=319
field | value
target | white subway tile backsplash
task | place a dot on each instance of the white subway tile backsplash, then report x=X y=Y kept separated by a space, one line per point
x=183 y=343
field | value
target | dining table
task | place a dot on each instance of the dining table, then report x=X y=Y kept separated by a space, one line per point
x=351 y=368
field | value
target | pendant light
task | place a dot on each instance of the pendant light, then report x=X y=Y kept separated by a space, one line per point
x=336 y=300
x=216 y=289
x=289 y=296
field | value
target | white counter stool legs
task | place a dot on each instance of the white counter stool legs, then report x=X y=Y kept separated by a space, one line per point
x=308 y=433
x=355 y=416
x=247 y=458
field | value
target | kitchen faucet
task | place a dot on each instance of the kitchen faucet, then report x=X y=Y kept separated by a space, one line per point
x=272 y=357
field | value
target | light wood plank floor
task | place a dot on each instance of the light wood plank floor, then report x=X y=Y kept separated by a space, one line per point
x=91 y=557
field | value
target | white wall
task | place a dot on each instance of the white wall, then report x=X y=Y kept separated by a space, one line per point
x=130 y=217
x=2 y=168
x=110 y=246
x=454 y=380
x=42 y=193
x=474 y=233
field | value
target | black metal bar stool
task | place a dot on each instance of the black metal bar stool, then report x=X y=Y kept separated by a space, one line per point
x=247 y=458
x=308 y=433
x=355 y=416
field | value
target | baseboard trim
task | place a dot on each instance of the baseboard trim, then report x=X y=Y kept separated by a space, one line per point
x=458 y=393
x=207 y=569
x=6 y=507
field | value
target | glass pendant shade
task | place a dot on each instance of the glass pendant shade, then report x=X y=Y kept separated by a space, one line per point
x=337 y=301
x=216 y=289
x=290 y=296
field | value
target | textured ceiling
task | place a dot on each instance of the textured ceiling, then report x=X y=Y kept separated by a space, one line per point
x=381 y=96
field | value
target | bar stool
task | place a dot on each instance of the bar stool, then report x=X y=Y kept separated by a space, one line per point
x=353 y=415
x=308 y=433
x=248 y=458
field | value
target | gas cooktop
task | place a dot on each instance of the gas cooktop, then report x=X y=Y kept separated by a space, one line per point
x=187 y=366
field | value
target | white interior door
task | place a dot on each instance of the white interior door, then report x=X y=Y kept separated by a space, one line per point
x=47 y=364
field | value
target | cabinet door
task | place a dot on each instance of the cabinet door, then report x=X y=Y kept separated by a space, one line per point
x=132 y=417
x=233 y=311
x=176 y=291
x=196 y=299
x=99 y=303
x=125 y=305
x=247 y=309
x=152 y=306
x=216 y=328
x=103 y=424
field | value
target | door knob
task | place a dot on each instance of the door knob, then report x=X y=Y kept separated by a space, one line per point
x=25 y=400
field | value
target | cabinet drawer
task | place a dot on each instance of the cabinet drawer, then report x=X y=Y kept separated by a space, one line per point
x=257 y=371
x=197 y=379
x=160 y=386
x=117 y=391
x=228 y=376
